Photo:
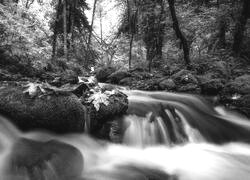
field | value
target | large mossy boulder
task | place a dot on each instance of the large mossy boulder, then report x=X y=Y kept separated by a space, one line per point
x=103 y=115
x=56 y=112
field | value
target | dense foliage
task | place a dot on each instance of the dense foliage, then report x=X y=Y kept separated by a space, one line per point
x=57 y=35
x=24 y=35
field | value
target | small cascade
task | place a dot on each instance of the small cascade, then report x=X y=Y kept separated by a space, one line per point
x=166 y=136
x=189 y=118
x=163 y=131
x=142 y=132
x=171 y=128
x=194 y=136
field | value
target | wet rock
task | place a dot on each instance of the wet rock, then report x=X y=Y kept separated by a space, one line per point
x=167 y=84
x=212 y=86
x=117 y=76
x=56 y=112
x=31 y=159
x=189 y=88
x=240 y=85
x=102 y=74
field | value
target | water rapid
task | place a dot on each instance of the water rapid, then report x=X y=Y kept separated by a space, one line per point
x=165 y=136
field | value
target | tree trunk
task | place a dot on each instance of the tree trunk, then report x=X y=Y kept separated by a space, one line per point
x=178 y=32
x=240 y=27
x=130 y=50
x=55 y=30
x=222 y=33
x=160 y=36
x=72 y=19
x=150 y=55
x=92 y=23
x=131 y=34
x=100 y=14
x=65 y=47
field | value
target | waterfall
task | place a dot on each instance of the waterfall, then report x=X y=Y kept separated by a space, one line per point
x=165 y=136
x=142 y=132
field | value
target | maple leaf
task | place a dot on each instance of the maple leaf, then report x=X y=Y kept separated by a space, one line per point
x=99 y=98
x=33 y=89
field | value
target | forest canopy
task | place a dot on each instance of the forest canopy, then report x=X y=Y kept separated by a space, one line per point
x=61 y=35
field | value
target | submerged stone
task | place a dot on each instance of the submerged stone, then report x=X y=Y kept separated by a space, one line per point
x=35 y=160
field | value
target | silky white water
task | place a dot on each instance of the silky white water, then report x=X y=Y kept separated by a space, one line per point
x=166 y=136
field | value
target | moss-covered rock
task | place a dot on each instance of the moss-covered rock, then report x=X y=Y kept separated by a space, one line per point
x=56 y=112
x=102 y=118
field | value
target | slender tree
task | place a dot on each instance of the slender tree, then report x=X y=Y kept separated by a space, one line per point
x=222 y=27
x=73 y=6
x=178 y=32
x=100 y=16
x=65 y=36
x=56 y=29
x=92 y=22
x=131 y=34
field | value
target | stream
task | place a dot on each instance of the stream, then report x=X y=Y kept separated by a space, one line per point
x=165 y=136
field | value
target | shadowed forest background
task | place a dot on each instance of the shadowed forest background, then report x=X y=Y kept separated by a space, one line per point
x=192 y=46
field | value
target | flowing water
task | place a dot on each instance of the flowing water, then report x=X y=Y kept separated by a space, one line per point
x=165 y=136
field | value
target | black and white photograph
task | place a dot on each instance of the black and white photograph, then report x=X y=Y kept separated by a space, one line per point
x=124 y=89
